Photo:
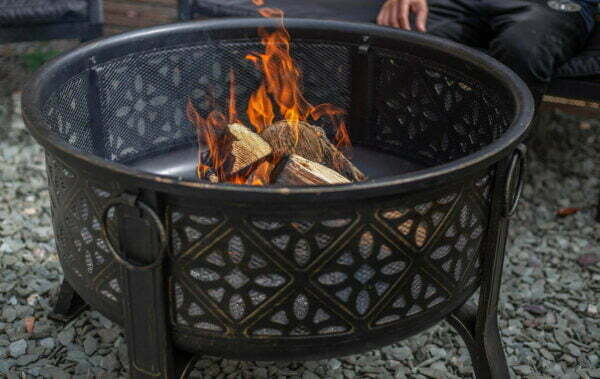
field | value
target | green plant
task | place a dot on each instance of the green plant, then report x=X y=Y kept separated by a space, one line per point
x=35 y=59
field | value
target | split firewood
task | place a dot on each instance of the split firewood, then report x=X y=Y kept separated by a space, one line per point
x=310 y=142
x=242 y=149
x=297 y=171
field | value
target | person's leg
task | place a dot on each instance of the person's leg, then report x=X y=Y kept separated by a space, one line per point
x=533 y=39
x=459 y=21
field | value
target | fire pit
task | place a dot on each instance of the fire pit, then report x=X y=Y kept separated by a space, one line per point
x=281 y=273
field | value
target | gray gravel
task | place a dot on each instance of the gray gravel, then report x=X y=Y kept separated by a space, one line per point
x=550 y=317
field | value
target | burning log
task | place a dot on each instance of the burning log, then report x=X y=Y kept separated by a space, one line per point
x=244 y=149
x=310 y=142
x=297 y=171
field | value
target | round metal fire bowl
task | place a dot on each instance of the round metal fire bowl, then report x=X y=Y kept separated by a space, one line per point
x=271 y=272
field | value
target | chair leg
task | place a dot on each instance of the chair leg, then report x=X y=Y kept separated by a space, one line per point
x=485 y=347
x=68 y=304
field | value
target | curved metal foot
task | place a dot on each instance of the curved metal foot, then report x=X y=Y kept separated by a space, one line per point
x=484 y=344
x=184 y=364
x=68 y=304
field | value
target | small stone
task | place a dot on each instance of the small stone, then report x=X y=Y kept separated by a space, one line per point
x=592 y=309
x=27 y=359
x=523 y=370
x=574 y=350
x=90 y=345
x=110 y=363
x=310 y=375
x=261 y=372
x=17 y=348
x=588 y=259
x=65 y=337
x=536 y=310
x=108 y=336
x=47 y=343
x=402 y=353
x=334 y=364
x=9 y=314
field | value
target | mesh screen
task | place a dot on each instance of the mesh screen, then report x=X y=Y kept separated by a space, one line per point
x=421 y=110
x=142 y=97
x=432 y=112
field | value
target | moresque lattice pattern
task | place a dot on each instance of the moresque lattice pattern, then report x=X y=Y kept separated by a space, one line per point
x=400 y=263
x=192 y=314
x=235 y=275
x=76 y=207
x=413 y=99
x=421 y=294
x=363 y=271
x=362 y=266
x=300 y=315
x=458 y=244
x=302 y=241
x=188 y=229
x=143 y=96
x=418 y=224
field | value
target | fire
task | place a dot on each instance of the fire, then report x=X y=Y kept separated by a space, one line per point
x=279 y=94
x=260 y=109
x=260 y=175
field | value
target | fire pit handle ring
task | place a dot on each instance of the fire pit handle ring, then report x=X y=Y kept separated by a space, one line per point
x=514 y=182
x=133 y=201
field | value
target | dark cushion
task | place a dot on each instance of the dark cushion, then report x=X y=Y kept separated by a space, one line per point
x=347 y=10
x=19 y=12
x=586 y=64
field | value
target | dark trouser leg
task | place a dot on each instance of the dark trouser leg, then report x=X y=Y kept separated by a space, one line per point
x=459 y=21
x=533 y=39
x=68 y=304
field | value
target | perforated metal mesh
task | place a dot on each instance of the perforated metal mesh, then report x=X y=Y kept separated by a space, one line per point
x=421 y=110
x=142 y=97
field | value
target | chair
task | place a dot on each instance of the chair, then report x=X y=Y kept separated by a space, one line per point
x=38 y=20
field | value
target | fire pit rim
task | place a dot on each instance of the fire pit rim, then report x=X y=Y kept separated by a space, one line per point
x=145 y=40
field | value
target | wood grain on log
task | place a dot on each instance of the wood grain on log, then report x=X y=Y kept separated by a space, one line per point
x=309 y=142
x=243 y=148
x=298 y=171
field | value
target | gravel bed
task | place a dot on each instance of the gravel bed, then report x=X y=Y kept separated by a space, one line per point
x=549 y=311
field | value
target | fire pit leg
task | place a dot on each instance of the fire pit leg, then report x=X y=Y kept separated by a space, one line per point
x=485 y=349
x=68 y=304
x=479 y=326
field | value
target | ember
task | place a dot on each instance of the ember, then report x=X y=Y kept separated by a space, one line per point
x=258 y=154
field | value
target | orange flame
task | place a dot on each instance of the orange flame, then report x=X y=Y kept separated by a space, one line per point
x=233 y=116
x=260 y=109
x=271 y=12
x=280 y=91
x=261 y=174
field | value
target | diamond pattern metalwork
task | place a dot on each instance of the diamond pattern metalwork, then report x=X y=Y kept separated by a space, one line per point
x=189 y=228
x=421 y=294
x=415 y=98
x=362 y=271
x=301 y=242
x=458 y=244
x=416 y=225
x=234 y=274
x=188 y=312
x=300 y=315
